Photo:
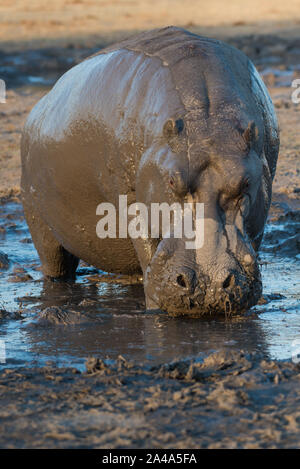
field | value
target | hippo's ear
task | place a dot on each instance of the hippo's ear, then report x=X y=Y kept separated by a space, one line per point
x=250 y=135
x=173 y=127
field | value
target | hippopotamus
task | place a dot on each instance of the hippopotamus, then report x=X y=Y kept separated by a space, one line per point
x=165 y=116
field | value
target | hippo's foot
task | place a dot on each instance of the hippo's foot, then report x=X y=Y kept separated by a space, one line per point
x=57 y=262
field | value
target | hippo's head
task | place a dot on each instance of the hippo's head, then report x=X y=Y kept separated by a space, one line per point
x=229 y=174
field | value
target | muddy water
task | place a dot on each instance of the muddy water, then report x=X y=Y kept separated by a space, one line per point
x=64 y=323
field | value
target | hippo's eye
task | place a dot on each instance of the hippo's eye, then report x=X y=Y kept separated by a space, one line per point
x=244 y=205
x=177 y=183
x=245 y=184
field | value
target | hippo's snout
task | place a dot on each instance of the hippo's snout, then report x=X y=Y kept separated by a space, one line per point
x=192 y=288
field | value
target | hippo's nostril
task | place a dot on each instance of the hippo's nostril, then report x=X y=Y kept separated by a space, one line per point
x=227 y=281
x=181 y=281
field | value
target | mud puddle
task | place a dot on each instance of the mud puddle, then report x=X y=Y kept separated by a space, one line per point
x=43 y=322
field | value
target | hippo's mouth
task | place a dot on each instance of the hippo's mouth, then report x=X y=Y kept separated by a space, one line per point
x=240 y=292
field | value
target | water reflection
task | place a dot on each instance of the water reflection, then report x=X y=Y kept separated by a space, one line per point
x=113 y=324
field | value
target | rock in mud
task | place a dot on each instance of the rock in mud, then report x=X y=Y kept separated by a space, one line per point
x=26 y=241
x=96 y=365
x=20 y=277
x=56 y=315
x=4 y=261
x=9 y=315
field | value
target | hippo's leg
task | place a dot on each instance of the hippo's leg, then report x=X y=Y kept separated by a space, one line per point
x=56 y=261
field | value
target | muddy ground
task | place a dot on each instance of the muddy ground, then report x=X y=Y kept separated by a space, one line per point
x=229 y=398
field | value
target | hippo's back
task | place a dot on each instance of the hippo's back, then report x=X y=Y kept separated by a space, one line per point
x=215 y=82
